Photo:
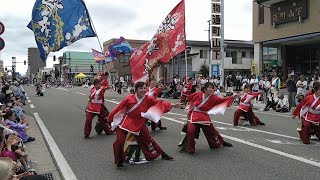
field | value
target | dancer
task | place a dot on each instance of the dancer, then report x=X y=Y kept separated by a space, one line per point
x=96 y=107
x=309 y=112
x=130 y=117
x=201 y=104
x=245 y=108
x=186 y=91
x=154 y=91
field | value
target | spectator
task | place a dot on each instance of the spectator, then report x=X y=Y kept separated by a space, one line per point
x=245 y=81
x=302 y=85
x=238 y=81
x=229 y=83
x=20 y=128
x=292 y=90
x=254 y=82
x=283 y=104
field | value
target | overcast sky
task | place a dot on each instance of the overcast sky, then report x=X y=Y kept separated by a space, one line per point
x=132 y=19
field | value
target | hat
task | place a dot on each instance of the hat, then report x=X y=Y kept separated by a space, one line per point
x=8 y=91
x=6 y=166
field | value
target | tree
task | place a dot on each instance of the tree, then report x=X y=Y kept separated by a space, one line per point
x=204 y=70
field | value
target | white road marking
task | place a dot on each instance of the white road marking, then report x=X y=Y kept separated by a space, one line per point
x=257 y=130
x=115 y=102
x=62 y=163
x=184 y=119
x=32 y=106
x=81 y=93
x=26 y=94
x=63 y=89
x=263 y=112
x=27 y=97
x=113 y=99
x=291 y=156
x=29 y=101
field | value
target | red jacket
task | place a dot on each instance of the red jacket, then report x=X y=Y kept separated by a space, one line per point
x=200 y=106
x=154 y=92
x=129 y=118
x=187 y=89
x=245 y=102
x=96 y=100
x=309 y=109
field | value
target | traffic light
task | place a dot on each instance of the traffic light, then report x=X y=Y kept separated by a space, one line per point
x=91 y=68
x=25 y=62
x=54 y=58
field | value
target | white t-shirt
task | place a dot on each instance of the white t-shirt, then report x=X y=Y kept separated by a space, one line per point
x=283 y=102
x=302 y=90
x=255 y=83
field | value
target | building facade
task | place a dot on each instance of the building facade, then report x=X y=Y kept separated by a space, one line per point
x=74 y=62
x=286 y=35
x=34 y=62
x=239 y=56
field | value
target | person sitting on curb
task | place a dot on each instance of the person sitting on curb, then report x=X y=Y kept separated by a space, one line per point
x=20 y=128
x=283 y=104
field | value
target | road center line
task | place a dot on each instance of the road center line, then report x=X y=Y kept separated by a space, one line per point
x=62 y=163
x=63 y=89
x=291 y=156
x=32 y=106
x=81 y=93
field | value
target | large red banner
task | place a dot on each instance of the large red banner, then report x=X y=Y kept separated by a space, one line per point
x=168 y=41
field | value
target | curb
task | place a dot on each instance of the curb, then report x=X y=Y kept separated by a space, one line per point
x=61 y=163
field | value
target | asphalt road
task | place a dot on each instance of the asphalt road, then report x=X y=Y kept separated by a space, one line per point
x=273 y=151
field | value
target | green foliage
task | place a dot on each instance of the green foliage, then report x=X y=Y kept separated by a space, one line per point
x=204 y=70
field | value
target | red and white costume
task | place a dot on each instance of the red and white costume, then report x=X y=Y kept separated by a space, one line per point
x=154 y=92
x=309 y=111
x=245 y=109
x=131 y=116
x=186 y=91
x=96 y=107
x=198 y=117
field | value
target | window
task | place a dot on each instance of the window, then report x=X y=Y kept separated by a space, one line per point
x=251 y=54
x=243 y=54
x=203 y=54
x=261 y=14
x=233 y=55
x=124 y=58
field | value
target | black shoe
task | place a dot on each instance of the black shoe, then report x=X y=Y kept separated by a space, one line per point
x=86 y=137
x=30 y=139
x=261 y=123
x=163 y=128
x=227 y=144
x=120 y=165
x=167 y=157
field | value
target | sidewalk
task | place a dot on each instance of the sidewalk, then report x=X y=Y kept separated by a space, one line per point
x=38 y=151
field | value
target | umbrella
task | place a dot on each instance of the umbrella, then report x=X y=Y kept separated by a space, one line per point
x=81 y=75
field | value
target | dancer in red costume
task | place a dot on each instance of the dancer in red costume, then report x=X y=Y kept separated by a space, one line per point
x=201 y=104
x=154 y=91
x=245 y=107
x=130 y=117
x=309 y=111
x=186 y=91
x=96 y=107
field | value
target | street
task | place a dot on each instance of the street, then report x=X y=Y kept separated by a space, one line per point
x=273 y=151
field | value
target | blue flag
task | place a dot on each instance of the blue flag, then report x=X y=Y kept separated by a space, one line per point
x=59 y=23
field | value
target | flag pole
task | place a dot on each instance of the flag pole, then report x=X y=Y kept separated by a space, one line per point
x=185 y=42
x=94 y=29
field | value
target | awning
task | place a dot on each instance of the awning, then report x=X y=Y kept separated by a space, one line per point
x=81 y=75
x=293 y=39
x=268 y=2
